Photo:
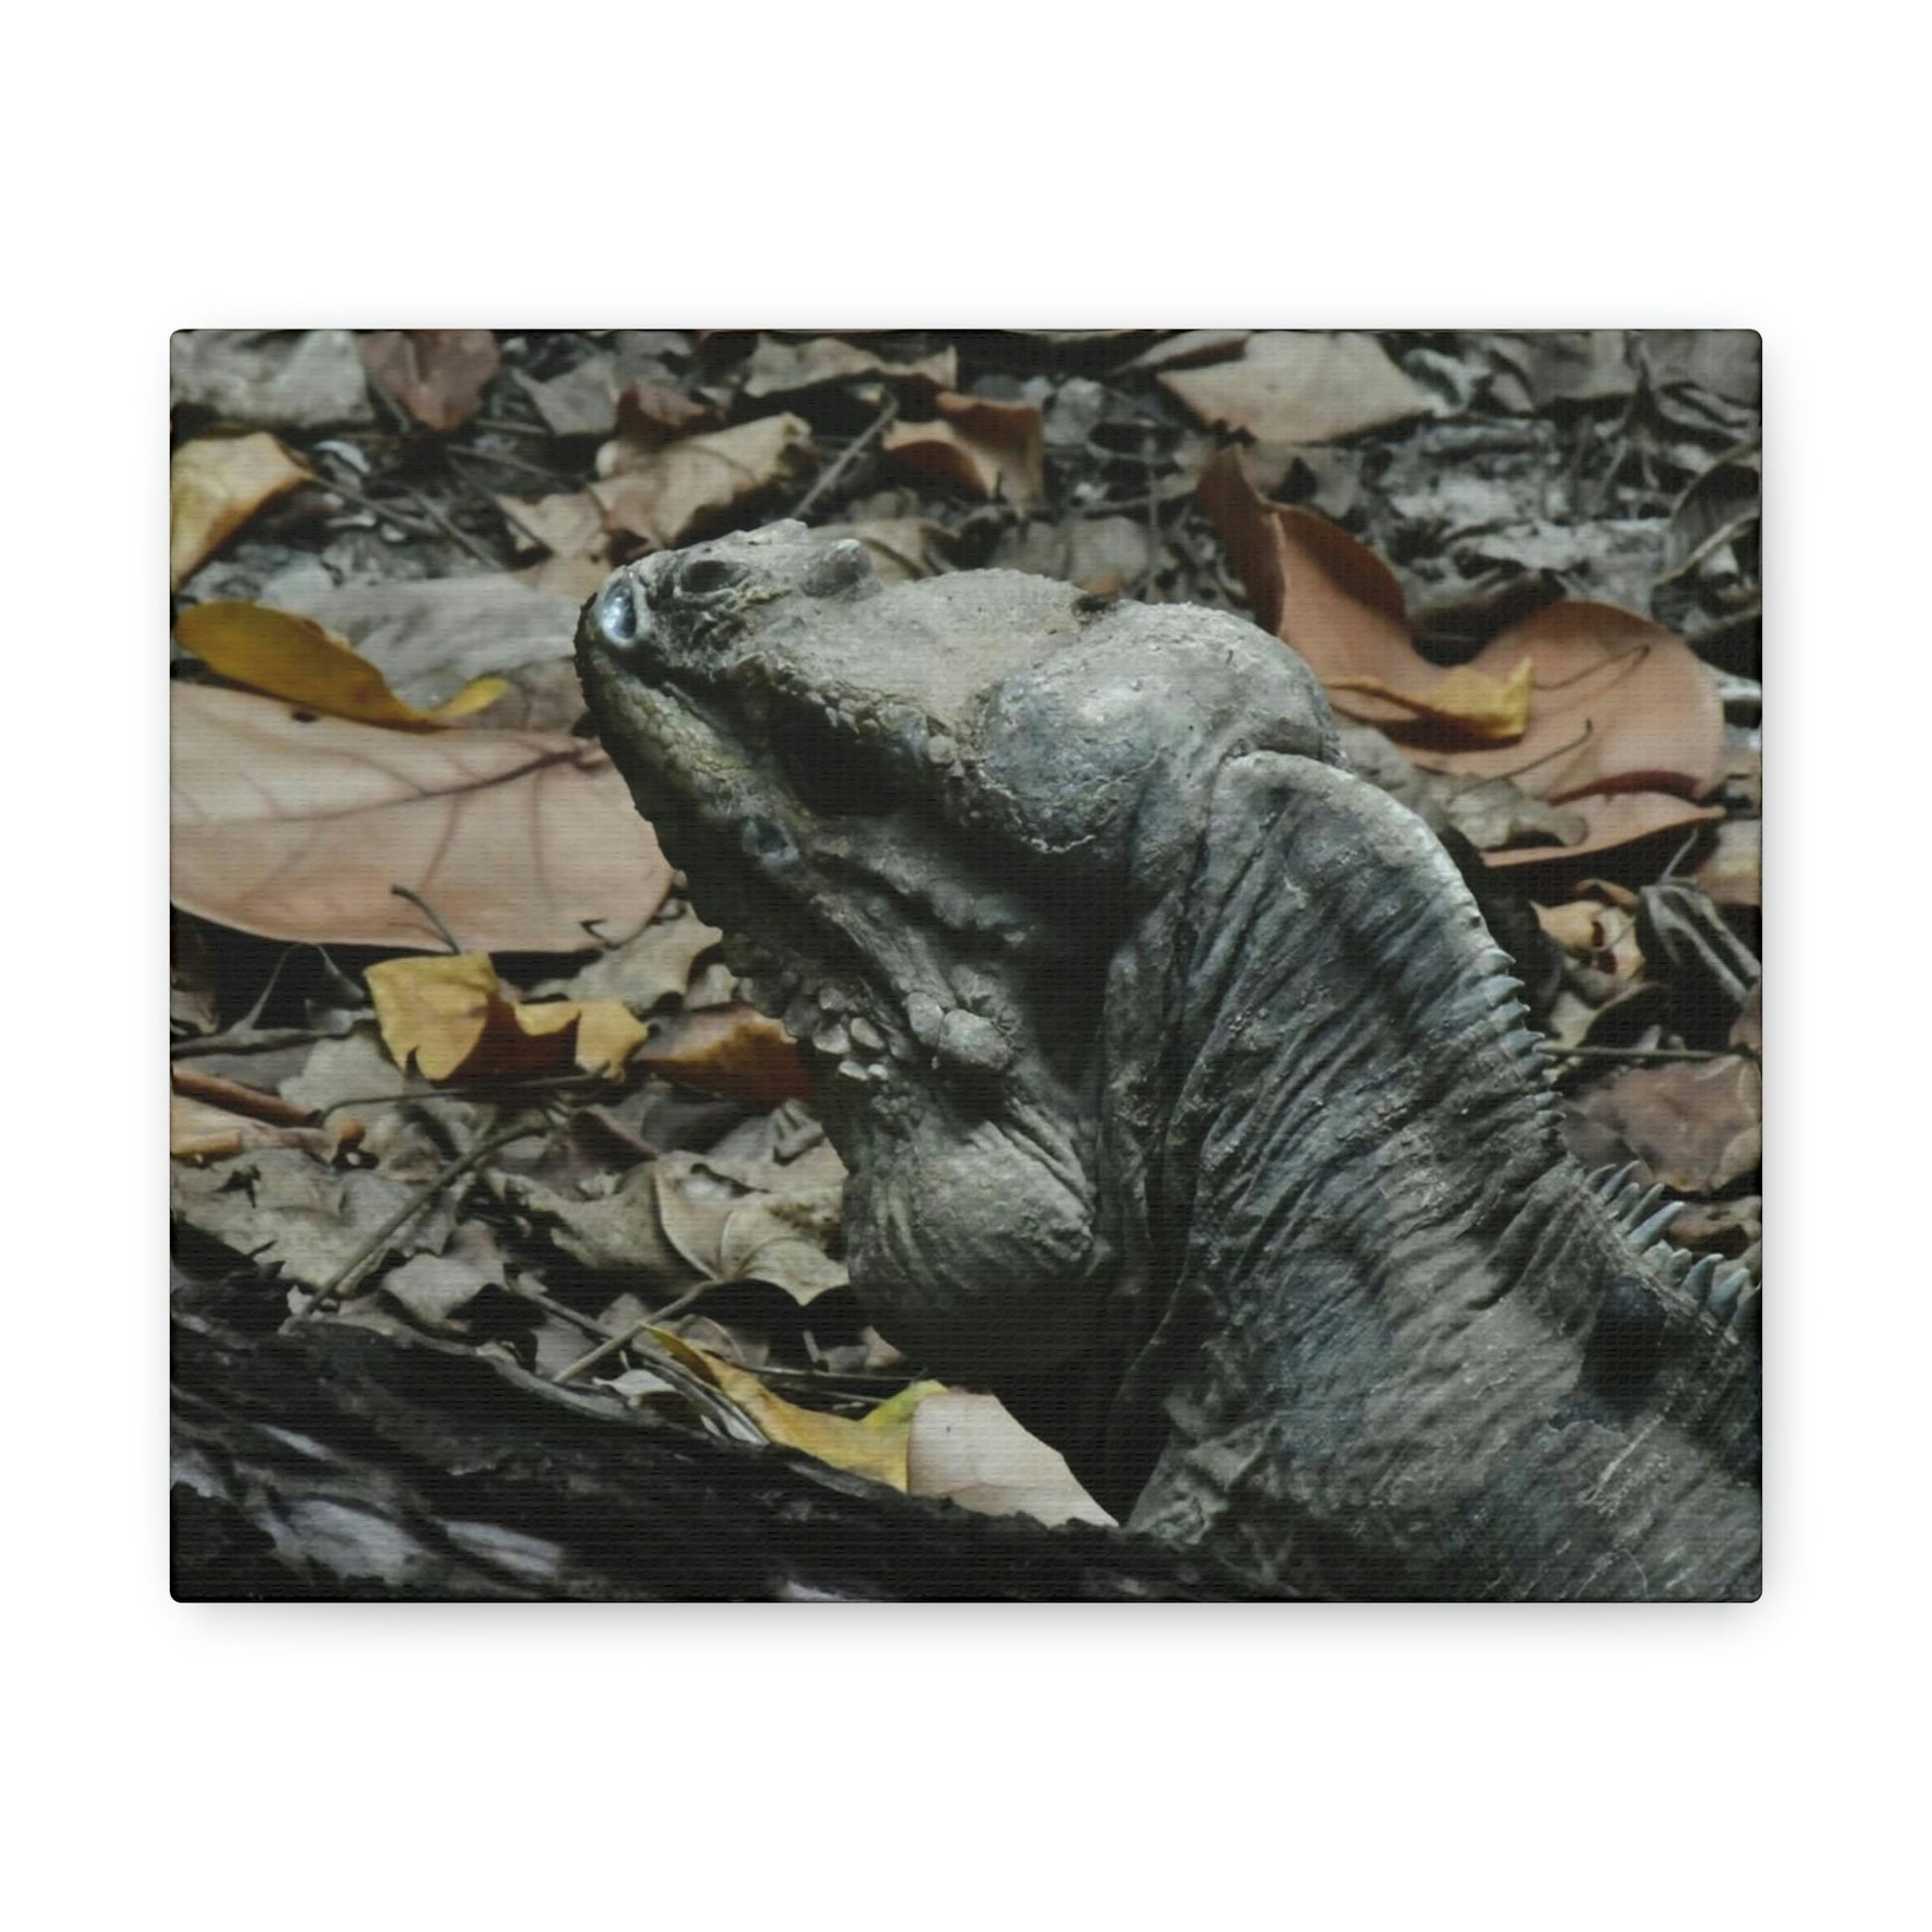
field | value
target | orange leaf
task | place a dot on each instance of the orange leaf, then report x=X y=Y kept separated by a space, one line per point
x=292 y=657
x=732 y=1051
x=296 y=827
x=215 y=487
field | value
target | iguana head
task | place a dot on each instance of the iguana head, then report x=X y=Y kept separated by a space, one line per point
x=929 y=816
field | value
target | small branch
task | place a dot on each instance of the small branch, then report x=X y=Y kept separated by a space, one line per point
x=612 y=1343
x=334 y=1288
x=847 y=458
x=430 y=913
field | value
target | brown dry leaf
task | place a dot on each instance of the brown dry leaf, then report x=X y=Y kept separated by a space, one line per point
x=1617 y=702
x=296 y=827
x=1620 y=705
x=1291 y=387
x=1611 y=819
x=735 y=1051
x=567 y=525
x=968 y=1449
x=781 y=368
x=437 y=376
x=296 y=659
x=450 y=1011
x=672 y=490
x=649 y=416
x=1697 y=1127
x=215 y=487
x=994 y=449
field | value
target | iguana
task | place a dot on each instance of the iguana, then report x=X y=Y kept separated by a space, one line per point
x=1188 y=1100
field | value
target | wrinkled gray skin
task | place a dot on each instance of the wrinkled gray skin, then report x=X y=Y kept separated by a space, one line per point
x=1187 y=1099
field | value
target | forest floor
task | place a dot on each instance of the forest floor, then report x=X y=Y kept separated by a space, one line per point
x=455 y=1064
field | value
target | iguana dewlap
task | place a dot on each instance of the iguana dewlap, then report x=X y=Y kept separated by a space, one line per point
x=1187 y=1101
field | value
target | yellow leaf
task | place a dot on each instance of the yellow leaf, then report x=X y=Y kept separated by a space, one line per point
x=435 y=1006
x=607 y=1034
x=864 y=1447
x=298 y=659
x=214 y=485
x=1494 y=710
x=450 y=1011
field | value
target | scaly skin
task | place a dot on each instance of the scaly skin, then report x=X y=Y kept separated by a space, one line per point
x=1187 y=1101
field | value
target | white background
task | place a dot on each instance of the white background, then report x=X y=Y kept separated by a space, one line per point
x=1668 y=166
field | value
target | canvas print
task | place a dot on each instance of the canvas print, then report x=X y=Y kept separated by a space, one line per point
x=1030 y=965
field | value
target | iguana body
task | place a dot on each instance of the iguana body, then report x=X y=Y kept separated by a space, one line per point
x=1188 y=1100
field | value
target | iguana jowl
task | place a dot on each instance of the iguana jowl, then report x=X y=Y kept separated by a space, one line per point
x=1187 y=1101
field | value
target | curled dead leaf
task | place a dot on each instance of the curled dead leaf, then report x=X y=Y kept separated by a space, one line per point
x=296 y=826
x=672 y=490
x=214 y=485
x=992 y=449
x=1616 y=703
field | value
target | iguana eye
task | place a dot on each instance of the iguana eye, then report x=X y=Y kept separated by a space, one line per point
x=706 y=576
x=616 y=612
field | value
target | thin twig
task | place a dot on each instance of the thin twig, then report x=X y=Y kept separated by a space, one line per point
x=498 y=1090
x=1603 y=663
x=612 y=1343
x=430 y=913
x=455 y=534
x=234 y=1039
x=334 y=1288
x=401 y=519
x=557 y=482
x=847 y=458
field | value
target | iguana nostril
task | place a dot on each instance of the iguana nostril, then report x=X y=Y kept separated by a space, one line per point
x=706 y=576
x=618 y=616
